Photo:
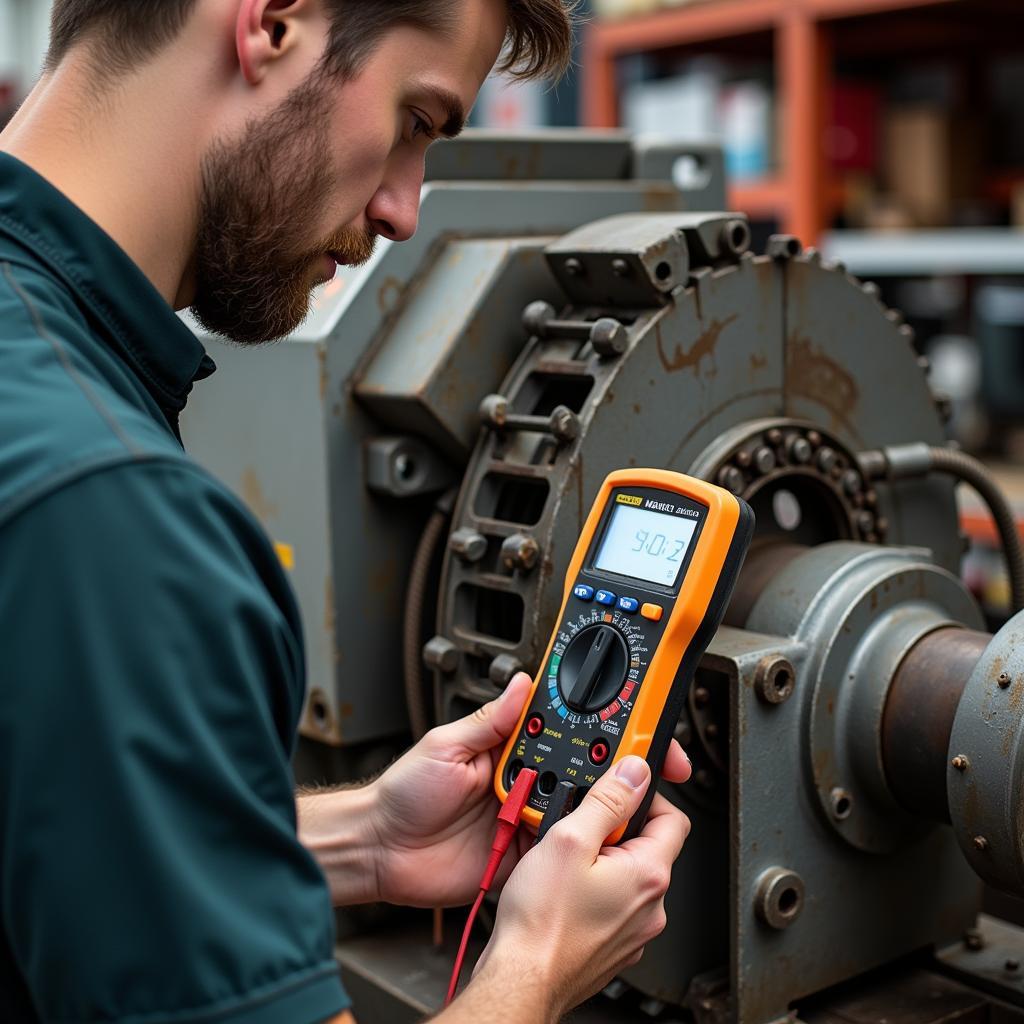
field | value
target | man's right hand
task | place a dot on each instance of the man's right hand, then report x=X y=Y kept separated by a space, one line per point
x=575 y=913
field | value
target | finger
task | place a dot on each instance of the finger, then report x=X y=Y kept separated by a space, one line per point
x=677 y=767
x=488 y=725
x=664 y=834
x=611 y=802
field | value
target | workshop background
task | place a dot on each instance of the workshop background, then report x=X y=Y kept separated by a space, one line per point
x=421 y=446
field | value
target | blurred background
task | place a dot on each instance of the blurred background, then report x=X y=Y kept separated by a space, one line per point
x=889 y=133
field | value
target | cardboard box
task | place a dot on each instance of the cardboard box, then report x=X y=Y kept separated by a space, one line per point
x=931 y=161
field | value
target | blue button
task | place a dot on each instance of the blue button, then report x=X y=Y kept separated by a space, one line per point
x=628 y=604
x=605 y=597
x=584 y=593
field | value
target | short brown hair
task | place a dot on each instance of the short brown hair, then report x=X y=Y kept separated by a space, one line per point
x=539 y=42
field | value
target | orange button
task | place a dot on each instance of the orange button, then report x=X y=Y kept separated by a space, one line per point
x=652 y=612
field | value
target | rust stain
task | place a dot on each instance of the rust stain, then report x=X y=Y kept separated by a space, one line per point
x=813 y=374
x=390 y=294
x=252 y=494
x=682 y=359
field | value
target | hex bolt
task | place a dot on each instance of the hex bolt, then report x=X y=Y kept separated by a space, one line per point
x=961 y=762
x=620 y=268
x=851 y=482
x=980 y=843
x=1012 y=965
x=503 y=668
x=764 y=460
x=731 y=479
x=608 y=337
x=573 y=267
x=1003 y=680
x=826 y=460
x=468 y=545
x=774 y=679
x=701 y=697
x=778 y=897
x=519 y=552
x=799 y=450
x=561 y=424
x=441 y=654
x=973 y=940
x=841 y=802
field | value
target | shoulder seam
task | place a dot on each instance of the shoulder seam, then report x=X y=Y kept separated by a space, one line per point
x=65 y=360
x=76 y=471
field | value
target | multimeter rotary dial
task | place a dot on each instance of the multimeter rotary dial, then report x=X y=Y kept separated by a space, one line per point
x=593 y=668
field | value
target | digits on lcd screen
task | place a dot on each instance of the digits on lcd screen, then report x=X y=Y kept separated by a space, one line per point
x=645 y=545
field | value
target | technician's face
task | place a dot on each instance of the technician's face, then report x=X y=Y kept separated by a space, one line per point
x=314 y=183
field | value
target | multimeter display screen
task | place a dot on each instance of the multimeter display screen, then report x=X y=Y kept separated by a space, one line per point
x=645 y=545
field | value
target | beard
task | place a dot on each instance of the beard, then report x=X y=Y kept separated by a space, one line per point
x=255 y=267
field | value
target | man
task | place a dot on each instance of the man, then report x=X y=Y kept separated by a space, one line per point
x=225 y=155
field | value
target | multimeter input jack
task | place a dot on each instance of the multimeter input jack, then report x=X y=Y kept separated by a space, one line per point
x=599 y=751
x=547 y=783
x=513 y=771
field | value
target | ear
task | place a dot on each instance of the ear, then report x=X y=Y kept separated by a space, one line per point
x=264 y=31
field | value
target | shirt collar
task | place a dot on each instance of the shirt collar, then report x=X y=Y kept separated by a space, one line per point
x=140 y=325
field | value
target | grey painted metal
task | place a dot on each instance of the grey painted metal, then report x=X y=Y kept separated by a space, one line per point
x=992 y=959
x=986 y=801
x=831 y=605
x=283 y=425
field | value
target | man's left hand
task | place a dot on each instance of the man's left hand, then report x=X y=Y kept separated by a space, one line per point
x=434 y=809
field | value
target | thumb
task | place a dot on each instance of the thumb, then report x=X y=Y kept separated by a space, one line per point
x=612 y=801
x=491 y=724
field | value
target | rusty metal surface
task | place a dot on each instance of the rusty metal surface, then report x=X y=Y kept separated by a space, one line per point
x=832 y=605
x=986 y=800
x=992 y=960
x=918 y=717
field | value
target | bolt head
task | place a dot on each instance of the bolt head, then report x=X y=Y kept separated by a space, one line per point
x=1003 y=680
x=960 y=763
x=841 y=802
x=573 y=267
x=980 y=843
x=701 y=696
x=620 y=268
x=973 y=939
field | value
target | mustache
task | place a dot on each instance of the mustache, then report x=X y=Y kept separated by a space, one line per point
x=352 y=246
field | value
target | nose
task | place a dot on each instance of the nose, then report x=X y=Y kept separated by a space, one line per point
x=395 y=207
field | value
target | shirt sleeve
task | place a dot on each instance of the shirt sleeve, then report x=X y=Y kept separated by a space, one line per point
x=151 y=677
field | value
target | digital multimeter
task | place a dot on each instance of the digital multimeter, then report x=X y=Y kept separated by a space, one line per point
x=645 y=591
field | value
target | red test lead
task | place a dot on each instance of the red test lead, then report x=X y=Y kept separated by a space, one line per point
x=508 y=823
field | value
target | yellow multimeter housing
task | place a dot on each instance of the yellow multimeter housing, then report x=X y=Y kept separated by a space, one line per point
x=648 y=584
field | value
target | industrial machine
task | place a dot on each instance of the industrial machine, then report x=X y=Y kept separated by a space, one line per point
x=424 y=452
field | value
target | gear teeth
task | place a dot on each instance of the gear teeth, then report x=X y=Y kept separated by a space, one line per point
x=908 y=334
x=894 y=316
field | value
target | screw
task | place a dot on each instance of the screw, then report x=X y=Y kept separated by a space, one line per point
x=799 y=449
x=851 y=481
x=960 y=763
x=980 y=844
x=731 y=479
x=1012 y=965
x=764 y=460
x=468 y=545
x=701 y=696
x=573 y=267
x=608 y=337
x=620 y=268
x=536 y=317
x=1003 y=680
x=519 y=552
x=973 y=940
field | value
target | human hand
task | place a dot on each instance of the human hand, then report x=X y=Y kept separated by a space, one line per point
x=575 y=913
x=434 y=809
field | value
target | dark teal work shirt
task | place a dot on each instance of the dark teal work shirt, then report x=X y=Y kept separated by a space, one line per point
x=151 y=669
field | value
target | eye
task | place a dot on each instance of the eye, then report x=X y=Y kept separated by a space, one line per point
x=421 y=127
